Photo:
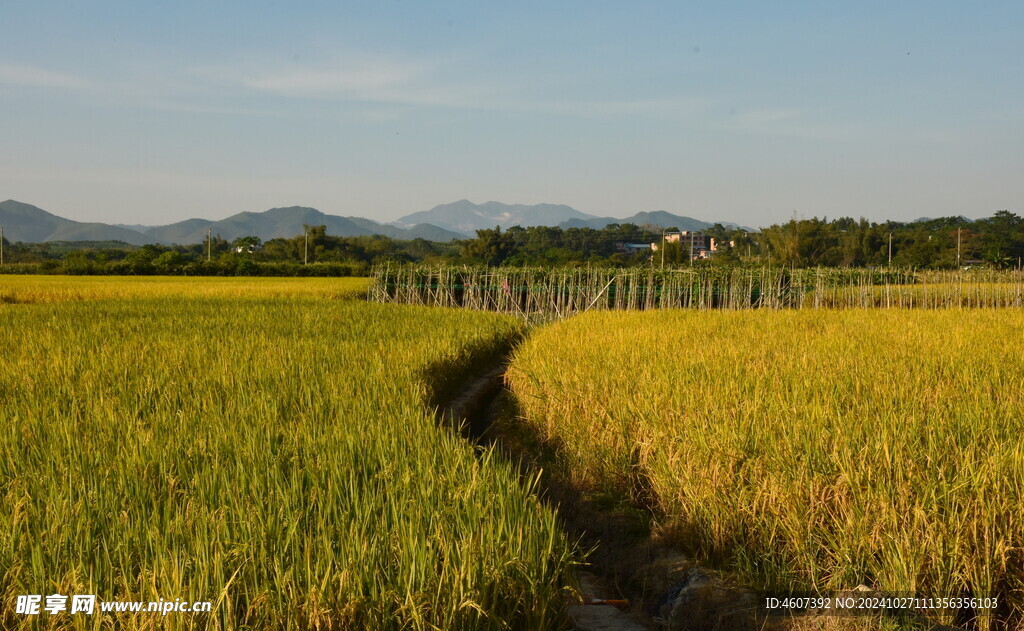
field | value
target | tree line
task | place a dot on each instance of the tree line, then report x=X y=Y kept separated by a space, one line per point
x=313 y=253
x=944 y=243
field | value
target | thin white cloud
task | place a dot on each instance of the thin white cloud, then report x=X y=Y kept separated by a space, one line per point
x=347 y=77
x=394 y=81
x=360 y=77
x=32 y=76
x=768 y=117
x=788 y=122
x=671 y=107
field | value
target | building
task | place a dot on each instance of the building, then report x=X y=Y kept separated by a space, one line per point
x=633 y=247
x=698 y=244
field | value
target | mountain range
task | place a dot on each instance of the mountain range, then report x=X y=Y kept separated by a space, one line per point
x=457 y=220
x=24 y=222
x=466 y=217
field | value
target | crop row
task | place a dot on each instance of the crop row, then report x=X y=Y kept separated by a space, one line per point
x=805 y=450
x=277 y=456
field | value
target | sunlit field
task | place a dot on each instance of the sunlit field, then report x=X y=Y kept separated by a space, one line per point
x=32 y=289
x=254 y=443
x=803 y=449
x=954 y=292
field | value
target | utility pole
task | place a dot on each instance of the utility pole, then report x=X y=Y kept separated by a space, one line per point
x=663 y=247
x=958 y=247
x=890 y=248
x=209 y=244
x=305 y=257
x=1 y=245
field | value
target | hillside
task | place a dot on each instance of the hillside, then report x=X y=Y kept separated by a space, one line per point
x=444 y=223
x=466 y=217
x=25 y=222
x=658 y=218
x=30 y=224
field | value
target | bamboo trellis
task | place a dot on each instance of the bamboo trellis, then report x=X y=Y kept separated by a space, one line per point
x=559 y=292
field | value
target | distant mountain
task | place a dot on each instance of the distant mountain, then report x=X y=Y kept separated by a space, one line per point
x=182 y=232
x=466 y=217
x=25 y=222
x=658 y=218
x=418 y=231
x=461 y=219
x=270 y=224
x=288 y=222
x=927 y=219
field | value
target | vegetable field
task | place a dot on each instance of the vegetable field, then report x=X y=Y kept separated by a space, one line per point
x=262 y=445
x=803 y=449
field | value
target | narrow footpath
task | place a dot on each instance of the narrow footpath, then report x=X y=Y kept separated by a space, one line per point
x=631 y=581
x=474 y=410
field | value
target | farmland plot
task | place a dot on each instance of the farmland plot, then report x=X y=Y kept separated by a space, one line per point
x=803 y=450
x=277 y=456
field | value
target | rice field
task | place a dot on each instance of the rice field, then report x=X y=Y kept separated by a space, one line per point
x=256 y=444
x=39 y=288
x=803 y=449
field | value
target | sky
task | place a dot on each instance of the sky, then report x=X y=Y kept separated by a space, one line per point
x=751 y=112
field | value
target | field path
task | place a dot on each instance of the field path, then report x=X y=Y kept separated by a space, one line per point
x=652 y=585
x=474 y=410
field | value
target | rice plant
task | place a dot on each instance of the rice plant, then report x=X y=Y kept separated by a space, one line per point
x=31 y=289
x=803 y=449
x=278 y=456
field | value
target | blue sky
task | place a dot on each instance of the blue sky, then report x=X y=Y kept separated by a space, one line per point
x=739 y=111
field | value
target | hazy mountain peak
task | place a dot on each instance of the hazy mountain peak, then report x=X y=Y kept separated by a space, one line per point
x=467 y=217
x=28 y=223
x=31 y=224
x=454 y=220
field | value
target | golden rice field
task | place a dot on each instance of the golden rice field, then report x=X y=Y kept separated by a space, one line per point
x=803 y=449
x=923 y=295
x=254 y=443
x=38 y=288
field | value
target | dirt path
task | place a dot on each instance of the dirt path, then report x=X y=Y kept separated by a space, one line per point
x=653 y=585
x=474 y=410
